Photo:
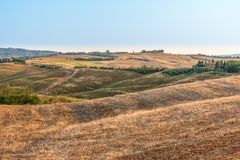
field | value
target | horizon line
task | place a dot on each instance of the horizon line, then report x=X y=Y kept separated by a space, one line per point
x=207 y=50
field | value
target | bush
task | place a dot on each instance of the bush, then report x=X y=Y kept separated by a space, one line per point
x=19 y=99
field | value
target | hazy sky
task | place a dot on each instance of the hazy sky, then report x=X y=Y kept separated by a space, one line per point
x=176 y=25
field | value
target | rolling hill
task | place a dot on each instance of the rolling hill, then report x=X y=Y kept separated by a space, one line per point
x=198 y=120
x=121 y=60
x=17 y=52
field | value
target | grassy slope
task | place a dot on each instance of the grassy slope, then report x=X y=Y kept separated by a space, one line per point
x=205 y=129
x=26 y=76
x=20 y=76
x=91 y=79
x=93 y=84
x=88 y=83
x=155 y=60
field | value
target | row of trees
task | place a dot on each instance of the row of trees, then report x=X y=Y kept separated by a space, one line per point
x=47 y=66
x=142 y=70
x=179 y=71
x=15 y=60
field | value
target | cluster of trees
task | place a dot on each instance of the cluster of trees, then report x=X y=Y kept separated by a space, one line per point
x=6 y=60
x=9 y=97
x=19 y=99
x=200 y=67
x=47 y=66
x=15 y=60
x=228 y=66
x=19 y=61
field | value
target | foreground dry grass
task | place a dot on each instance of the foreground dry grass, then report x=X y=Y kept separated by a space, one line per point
x=201 y=121
x=198 y=130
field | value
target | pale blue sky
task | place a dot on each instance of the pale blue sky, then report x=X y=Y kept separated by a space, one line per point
x=134 y=24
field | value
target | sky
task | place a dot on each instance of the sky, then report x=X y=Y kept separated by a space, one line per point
x=178 y=26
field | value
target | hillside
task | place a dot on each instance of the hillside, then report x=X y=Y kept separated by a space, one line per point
x=17 y=52
x=185 y=121
x=16 y=78
x=121 y=60
x=206 y=130
x=87 y=83
x=93 y=83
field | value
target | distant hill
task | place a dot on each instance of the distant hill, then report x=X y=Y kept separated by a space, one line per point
x=17 y=52
x=228 y=55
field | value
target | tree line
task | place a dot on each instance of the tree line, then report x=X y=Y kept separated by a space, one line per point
x=142 y=70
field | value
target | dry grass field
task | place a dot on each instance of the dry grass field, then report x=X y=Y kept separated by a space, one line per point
x=122 y=61
x=150 y=59
x=198 y=120
x=66 y=61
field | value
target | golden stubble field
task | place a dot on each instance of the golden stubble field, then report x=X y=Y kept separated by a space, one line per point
x=121 y=61
x=197 y=120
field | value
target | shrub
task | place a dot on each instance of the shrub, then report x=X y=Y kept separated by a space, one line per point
x=18 y=99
